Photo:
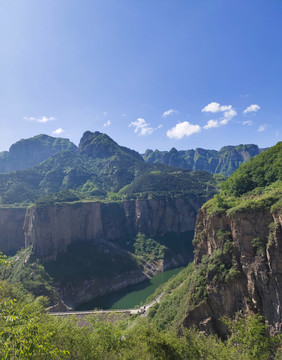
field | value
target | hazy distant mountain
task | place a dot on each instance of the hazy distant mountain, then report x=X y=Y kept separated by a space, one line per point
x=225 y=161
x=29 y=152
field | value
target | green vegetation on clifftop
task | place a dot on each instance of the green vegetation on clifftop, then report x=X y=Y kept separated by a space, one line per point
x=255 y=185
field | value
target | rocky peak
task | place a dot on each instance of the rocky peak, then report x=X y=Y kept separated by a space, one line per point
x=99 y=145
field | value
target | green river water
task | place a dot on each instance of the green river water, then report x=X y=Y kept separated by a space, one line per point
x=130 y=297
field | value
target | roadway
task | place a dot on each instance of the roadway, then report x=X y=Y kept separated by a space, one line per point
x=143 y=310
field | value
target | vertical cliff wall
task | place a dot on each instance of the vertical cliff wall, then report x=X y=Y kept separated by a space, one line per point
x=51 y=229
x=11 y=229
x=248 y=273
x=88 y=247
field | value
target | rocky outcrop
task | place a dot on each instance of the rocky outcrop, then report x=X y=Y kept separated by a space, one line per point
x=51 y=229
x=255 y=255
x=99 y=145
x=11 y=229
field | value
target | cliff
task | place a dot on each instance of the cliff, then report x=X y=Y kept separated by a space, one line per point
x=88 y=247
x=248 y=275
x=51 y=229
x=12 y=236
x=238 y=243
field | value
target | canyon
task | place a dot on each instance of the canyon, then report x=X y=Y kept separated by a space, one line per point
x=105 y=230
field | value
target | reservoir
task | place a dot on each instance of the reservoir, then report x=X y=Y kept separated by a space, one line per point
x=130 y=297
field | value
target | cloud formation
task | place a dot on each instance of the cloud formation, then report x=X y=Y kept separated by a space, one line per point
x=262 y=127
x=183 y=129
x=248 y=122
x=169 y=112
x=142 y=127
x=107 y=123
x=227 y=114
x=42 y=119
x=211 y=124
x=58 y=131
x=251 y=108
x=215 y=107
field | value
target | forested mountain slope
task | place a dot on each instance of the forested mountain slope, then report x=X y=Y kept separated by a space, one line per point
x=225 y=161
x=99 y=168
x=29 y=152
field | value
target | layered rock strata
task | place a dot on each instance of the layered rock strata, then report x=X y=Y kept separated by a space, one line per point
x=12 y=236
x=51 y=229
x=255 y=255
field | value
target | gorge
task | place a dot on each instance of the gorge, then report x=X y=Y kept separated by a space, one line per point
x=115 y=221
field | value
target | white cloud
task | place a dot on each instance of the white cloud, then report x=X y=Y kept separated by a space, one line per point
x=251 y=108
x=42 y=119
x=107 y=123
x=224 y=121
x=214 y=107
x=105 y=113
x=58 y=131
x=262 y=127
x=169 y=112
x=229 y=114
x=183 y=129
x=143 y=127
x=211 y=124
x=248 y=122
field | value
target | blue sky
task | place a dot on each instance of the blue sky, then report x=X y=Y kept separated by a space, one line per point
x=149 y=73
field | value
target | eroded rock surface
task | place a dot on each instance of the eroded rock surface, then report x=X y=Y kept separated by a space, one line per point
x=256 y=254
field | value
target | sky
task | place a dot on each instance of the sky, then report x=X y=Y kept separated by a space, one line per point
x=152 y=74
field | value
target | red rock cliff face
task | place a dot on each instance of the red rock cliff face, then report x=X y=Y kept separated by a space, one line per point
x=256 y=254
x=52 y=228
x=11 y=229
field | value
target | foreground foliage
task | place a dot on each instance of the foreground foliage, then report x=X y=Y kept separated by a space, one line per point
x=28 y=332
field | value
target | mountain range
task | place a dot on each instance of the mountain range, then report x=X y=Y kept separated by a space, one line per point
x=99 y=167
x=225 y=161
x=85 y=212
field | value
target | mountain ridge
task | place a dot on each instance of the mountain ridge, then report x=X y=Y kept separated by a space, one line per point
x=225 y=161
x=99 y=167
x=26 y=153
